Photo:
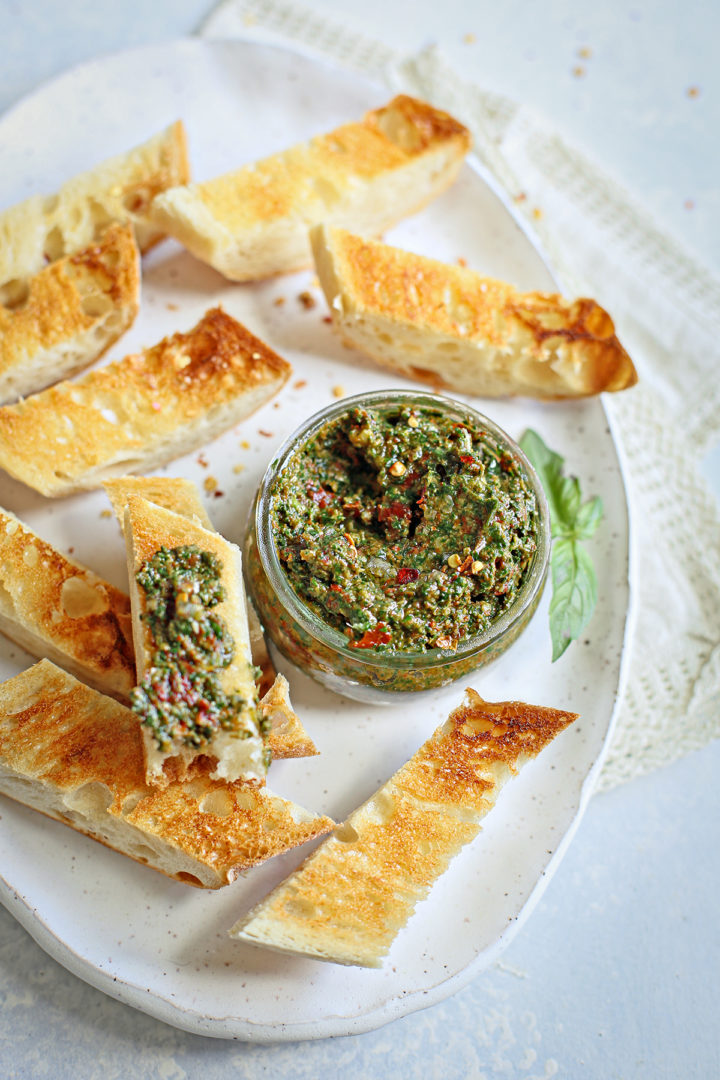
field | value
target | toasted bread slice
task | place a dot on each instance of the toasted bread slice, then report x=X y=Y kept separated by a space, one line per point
x=456 y=329
x=253 y=222
x=72 y=312
x=234 y=743
x=45 y=228
x=77 y=756
x=141 y=412
x=54 y=607
x=287 y=737
x=347 y=902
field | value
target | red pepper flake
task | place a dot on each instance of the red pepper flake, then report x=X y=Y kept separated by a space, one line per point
x=202 y=460
x=379 y=635
x=267 y=434
x=307 y=300
x=406 y=574
x=394 y=510
x=327 y=318
x=467 y=459
x=461 y=261
x=320 y=496
x=218 y=494
x=299 y=384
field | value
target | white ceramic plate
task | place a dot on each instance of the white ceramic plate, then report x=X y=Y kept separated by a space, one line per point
x=157 y=944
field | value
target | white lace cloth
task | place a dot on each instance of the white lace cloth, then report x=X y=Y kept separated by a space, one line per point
x=667 y=311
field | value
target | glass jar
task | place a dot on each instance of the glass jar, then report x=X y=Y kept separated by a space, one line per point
x=323 y=651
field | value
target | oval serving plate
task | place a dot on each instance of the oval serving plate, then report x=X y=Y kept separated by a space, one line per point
x=154 y=943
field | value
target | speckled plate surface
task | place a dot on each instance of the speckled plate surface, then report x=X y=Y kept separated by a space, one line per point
x=156 y=944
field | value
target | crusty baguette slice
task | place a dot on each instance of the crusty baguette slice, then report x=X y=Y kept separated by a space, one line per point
x=237 y=750
x=253 y=222
x=77 y=756
x=287 y=737
x=141 y=412
x=45 y=228
x=456 y=329
x=72 y=312
x=349 y=899
x=56 y=608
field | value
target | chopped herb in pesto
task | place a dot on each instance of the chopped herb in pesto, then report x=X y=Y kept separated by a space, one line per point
x=404 y=528
x=180 y=697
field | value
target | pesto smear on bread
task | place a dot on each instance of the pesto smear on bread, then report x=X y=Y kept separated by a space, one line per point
x=405 y=529
x=180 y=697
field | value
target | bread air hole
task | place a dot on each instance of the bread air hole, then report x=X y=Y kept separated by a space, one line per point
x=79 y=599
x=14 y=294
x=90 y=800
x=54 y=246
x=96 y=305
x=219 y=803
x=346 y=834
x=189 y=879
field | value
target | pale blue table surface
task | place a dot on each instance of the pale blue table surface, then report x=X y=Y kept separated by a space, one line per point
x=615 y=973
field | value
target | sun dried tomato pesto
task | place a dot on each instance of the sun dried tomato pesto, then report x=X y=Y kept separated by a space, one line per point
x=404 y=528
x=180 y=697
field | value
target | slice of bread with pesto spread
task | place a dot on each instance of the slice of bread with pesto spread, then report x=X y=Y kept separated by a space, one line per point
x=349 y=899
x=138 y=413
x=77 y=756
x=252 y=222
x=457 y=330
x=68 y=314
x=196 y=694
x=44 y=228
x=287 y=738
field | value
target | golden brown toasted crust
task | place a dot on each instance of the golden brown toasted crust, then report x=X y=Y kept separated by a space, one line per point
x=69 y=314
x=54 y=607
x=148 y=528
x=349 y=899
x=173 y=493
x=77 y=756
x=45 y=228
x=253 y=222
x=453 y=328
x=140 y=412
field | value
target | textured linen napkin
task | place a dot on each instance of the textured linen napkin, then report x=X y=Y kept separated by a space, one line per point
x=666 y=307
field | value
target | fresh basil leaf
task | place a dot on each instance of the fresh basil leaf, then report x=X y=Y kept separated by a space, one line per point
x=562 y=493
x=574 y=583
x=588 y=518
x=574 y=593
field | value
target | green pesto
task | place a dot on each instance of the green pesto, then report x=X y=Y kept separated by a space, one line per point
x=404 y=528
x=180 y=697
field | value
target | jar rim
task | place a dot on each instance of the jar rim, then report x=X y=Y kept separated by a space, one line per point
x=329 y=635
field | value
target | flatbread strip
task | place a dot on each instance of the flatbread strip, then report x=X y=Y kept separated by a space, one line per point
x=77 y=756
x=54 y=607
x=44 y=228
x=287 y=737
x=253 y=222
x=70 y=313
x=237 y=753
x=347 y=902
x=141 y=412
x=453 y=328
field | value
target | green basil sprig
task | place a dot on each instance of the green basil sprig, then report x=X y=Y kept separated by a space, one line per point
x=574 y=585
